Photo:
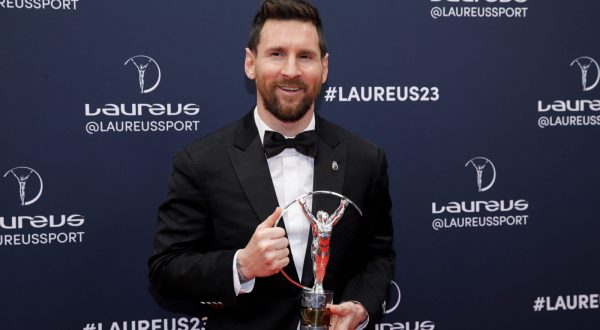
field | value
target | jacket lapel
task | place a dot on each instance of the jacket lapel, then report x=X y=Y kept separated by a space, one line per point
x=250 y=164
x=329 y=172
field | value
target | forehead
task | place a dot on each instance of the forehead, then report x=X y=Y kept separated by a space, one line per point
x=288 y=34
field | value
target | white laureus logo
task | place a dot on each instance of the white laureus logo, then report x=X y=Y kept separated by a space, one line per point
x=141 y=63
x=23 y=175
x=480 y=163
x=585 y=63
x=396 y=288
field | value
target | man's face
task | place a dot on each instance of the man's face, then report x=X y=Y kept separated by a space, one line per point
x=288 y=68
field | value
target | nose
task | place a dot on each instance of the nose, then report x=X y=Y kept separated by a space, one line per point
x=291 y=69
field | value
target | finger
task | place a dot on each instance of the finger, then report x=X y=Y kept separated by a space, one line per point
x=266 y=245
x=271 y=220
x=336 y=309
x=278 y=254
x=343 y=323
x=333 y=322
x=270 y=233
x=280 y=243
x=280 y=264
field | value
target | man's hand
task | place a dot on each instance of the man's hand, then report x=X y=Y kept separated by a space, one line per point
x=267 y=252
x=347 y=315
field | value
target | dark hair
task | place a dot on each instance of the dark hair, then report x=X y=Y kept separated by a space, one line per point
x=299 y=10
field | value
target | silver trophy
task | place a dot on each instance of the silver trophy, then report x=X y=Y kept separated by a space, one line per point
x=313 y=314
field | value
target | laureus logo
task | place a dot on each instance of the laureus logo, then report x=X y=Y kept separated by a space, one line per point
x=28 y=179
x=394 y=294
x=586 y=65
x=145 y=64
x=482 y=164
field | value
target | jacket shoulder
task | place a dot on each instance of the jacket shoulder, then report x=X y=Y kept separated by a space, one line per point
x=355 y=142
x=215 y=140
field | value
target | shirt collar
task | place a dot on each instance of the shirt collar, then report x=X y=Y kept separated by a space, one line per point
x=262 y=126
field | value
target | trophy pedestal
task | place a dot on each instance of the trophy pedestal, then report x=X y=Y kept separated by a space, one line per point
x=313 y=314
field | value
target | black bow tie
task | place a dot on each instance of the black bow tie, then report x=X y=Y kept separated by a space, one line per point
x=305 y=143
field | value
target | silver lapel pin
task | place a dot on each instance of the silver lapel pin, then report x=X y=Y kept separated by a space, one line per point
x=334 y=166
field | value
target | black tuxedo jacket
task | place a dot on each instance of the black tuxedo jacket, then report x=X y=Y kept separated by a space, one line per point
x=221 y=189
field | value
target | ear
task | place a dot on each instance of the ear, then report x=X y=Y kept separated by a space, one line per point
x=325 y=64
x=249 y=64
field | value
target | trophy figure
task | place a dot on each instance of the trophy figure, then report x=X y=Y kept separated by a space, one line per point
x=313 y=314
x=22 y=181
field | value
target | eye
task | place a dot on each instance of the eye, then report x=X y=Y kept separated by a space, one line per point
x=306 y=57
x=276 y=54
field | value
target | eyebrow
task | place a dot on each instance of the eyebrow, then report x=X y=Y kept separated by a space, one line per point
x=281 y=49
x=274 y=49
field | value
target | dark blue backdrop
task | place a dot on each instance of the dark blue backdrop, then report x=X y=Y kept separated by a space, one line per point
x=495 y=87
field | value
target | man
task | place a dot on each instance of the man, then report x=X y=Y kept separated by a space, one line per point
x=216 y=238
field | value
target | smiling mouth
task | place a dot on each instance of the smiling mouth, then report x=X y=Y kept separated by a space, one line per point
x=290 y=89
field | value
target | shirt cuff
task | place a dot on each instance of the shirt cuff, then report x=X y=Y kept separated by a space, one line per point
x=363 y=324
x=238 y=287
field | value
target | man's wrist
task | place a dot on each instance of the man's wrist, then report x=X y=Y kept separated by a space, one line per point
x=242 y=277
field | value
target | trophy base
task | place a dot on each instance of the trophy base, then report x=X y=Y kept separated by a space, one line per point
x=313 y=313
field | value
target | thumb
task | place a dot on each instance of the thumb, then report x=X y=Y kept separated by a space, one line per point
x=272 y=219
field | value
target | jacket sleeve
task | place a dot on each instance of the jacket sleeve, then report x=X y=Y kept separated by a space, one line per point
x=370 y=285
x=182 y=264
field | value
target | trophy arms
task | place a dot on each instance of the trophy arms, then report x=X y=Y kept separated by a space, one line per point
x=318 y=192
x=337 y=215
x=323 y=192
x=311 y=218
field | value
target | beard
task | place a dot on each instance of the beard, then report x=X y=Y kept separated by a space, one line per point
x=287 y=109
